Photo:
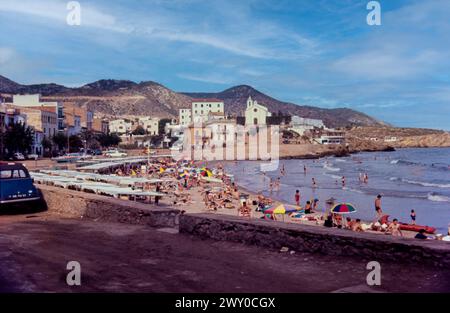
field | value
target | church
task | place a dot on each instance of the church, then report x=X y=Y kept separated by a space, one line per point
x=256 y=114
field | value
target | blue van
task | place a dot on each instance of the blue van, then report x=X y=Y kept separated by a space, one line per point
x=16 y=185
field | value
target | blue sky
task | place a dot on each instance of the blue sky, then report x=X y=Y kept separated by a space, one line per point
x=314 y=52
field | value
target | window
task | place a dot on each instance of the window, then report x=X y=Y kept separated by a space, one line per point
x=255 y=110
x=5 y=174
x=18 y=174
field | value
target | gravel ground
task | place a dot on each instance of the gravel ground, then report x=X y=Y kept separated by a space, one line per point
x=35 y=249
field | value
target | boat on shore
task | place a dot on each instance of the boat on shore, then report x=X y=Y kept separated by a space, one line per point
x=409 y=227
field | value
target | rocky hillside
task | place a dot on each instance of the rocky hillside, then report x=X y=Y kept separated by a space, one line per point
x=127 y=98
x=406 y=137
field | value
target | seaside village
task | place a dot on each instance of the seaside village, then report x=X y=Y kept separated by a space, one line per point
x=131 y=159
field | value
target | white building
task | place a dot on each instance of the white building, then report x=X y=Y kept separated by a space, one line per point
x=150 y=125
x=201 y=109
x=390 y=139
x=185 y=117
x=256 y=114
x=300 y=121
x=331 y=139
x=120 y=126
x=34 y=101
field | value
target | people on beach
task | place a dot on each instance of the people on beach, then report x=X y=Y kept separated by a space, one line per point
x=244 y=210
x=297 y=197
x=378 y=209
x=421 y=234
x=349 y=223
x=313 y=181
x=413 y=217
x=394 y=228
x=315 y=205
x=308 y=207
x=343 y=181
x=278 y=183
x=357 y=226
x=366 y=178
x=304 y=169
x=328 y=221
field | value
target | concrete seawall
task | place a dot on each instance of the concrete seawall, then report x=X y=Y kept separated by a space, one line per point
x=74 y=204
x=270 y=234
x=316 y=239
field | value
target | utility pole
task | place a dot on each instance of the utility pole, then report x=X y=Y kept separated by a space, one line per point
x=68 y=141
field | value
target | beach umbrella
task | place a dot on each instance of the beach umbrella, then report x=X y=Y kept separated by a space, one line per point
x=343 y=208
x=282 y=209
x=211 y=179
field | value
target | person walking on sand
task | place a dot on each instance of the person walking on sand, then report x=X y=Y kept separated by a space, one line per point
x=297 y=197
x=378 y=209
x=413 y=217
x=304 y=169
x=314 y=184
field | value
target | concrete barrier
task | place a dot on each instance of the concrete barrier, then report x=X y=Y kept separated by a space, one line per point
x=314 y=239
x=75 y=204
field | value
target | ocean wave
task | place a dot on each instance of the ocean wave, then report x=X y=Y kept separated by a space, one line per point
x=438 y=165
x=353 y=190
x=340 y=160
x=332 y=176
x=438 y=198
x=330 y=168
x=415 y=182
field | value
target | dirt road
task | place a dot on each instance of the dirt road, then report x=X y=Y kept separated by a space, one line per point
x=35 y=249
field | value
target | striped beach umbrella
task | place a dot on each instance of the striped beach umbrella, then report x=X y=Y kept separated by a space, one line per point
x=343 y=208
x=282 y=209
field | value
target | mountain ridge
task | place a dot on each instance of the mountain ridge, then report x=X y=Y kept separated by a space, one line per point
x=115 y=97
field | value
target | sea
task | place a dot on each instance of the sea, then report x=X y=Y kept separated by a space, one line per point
x=407 y=179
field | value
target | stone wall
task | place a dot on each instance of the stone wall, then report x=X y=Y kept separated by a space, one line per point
x=372 y=247
x=74 y=204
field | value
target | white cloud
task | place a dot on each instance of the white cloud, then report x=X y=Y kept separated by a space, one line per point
x=56 y=10
x=208 y=78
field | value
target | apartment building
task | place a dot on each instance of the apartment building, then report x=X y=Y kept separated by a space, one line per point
x=41 y=119
x=201 y=109
x=185 y=117
x=120 y=126
x=151 y=125
x=100 y=125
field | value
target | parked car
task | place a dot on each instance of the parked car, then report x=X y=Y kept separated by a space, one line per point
x=16 y=185
x=96 y=152
x=32 y=156
x=115 y=154
x=18 y=156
